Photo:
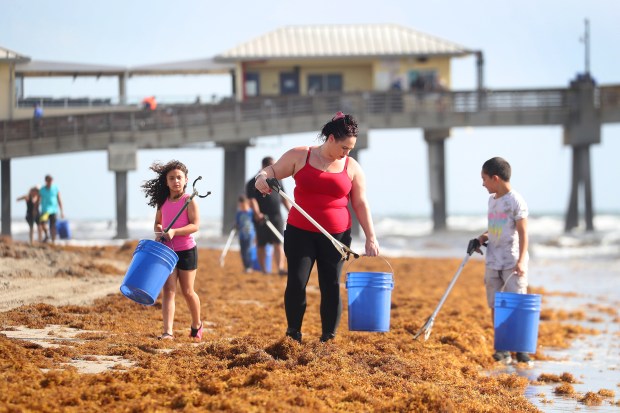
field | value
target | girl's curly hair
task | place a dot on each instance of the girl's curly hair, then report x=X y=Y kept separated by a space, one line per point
x=157 y=189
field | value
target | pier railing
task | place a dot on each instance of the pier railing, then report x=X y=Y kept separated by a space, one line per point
x=281 y=109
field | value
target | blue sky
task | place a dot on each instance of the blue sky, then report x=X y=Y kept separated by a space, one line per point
x=527 y=44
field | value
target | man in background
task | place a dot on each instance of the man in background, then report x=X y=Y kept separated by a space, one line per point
x=267 y=207
x=51 y=204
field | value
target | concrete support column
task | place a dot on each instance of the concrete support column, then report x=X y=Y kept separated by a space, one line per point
x=435 y=139
x=234 y=182
x=581 y=180
x=121 y=205
x=582 y=130
x=122 y=157
x=5 y=169
x=122 y=88
x=362 y=143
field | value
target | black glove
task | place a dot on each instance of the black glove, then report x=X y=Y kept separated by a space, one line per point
x=474 y=244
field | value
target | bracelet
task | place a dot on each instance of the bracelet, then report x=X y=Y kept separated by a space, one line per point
x=260 y=173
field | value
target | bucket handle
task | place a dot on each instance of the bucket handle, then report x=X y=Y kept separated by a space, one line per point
x=506 y=282
x=366 y=256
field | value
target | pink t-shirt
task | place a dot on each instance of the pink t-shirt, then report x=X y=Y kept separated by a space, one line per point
x=169 y=210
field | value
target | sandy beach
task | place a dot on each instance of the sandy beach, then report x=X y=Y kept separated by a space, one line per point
x=70 y=341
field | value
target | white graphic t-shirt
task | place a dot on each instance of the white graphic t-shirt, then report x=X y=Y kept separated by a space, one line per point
x=503 y=246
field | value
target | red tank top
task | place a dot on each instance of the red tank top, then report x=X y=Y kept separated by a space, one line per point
x=324 y=196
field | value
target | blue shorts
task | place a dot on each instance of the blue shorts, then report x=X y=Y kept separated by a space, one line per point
x=188 y=259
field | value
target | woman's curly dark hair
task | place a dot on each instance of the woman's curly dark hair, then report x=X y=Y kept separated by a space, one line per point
x=341 y=126
x=157 y=189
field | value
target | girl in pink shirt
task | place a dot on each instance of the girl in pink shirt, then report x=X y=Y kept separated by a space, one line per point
x=167 y=194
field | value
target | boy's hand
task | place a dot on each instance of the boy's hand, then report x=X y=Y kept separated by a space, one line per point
x=474 y=245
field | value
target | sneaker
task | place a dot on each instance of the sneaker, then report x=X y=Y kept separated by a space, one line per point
x=502 y=357
x=326 y=337
x=294 y=334
x=524 y=358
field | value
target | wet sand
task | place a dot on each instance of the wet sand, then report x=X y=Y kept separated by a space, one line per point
x=62 y=351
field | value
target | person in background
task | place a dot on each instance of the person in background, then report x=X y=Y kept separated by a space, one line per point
x=507 y=237
x=51 y=205
x=326 y=180
x=37 y=119
x=166 y=192
x=33 y=200
x=245 y=227
x=267 y=207
x=149 y=103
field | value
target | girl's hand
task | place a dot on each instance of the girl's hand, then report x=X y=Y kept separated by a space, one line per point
x=169 y=235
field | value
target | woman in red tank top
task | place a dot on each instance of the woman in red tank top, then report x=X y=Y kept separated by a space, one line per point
x=326 y=180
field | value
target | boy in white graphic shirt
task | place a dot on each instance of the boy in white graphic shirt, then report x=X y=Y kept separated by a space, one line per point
x=506 y=238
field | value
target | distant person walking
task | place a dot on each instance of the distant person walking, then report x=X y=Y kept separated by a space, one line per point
x=507 y=257
x=267 y=207
x=37 y=119
x=51 y=205
x=33 y=201
x=166 y=192
x=244 y=224
x=326 y=181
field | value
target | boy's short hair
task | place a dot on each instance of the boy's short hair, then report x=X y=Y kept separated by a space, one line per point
x=497 y=166
x=242 y=198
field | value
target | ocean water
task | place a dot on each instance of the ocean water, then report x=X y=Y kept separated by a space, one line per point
x=586 y=263
x=402 y=236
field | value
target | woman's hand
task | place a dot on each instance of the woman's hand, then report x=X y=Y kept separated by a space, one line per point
x=372 y=247
x=261 y=183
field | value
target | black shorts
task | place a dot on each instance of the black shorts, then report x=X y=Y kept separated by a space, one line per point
x=31 y=220
x=264 y=234
x=188 y=259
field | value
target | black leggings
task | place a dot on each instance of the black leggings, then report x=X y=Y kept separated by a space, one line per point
x=302 y=249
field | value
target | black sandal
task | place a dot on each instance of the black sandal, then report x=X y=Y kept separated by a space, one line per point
x=166 y=336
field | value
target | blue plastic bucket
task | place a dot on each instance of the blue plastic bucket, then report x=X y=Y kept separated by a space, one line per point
x=516 y=321
x=268 y=258
x=148 y=271
x=62 y=228
x=370 y=299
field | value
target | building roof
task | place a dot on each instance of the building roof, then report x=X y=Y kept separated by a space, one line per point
x=187 y=67
x=40 y=68
x=9 y=55
x=326 y=41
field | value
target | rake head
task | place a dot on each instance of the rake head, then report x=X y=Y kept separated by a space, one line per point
x=426 y=329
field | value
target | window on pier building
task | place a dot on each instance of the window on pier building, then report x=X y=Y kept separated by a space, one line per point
x=423 y=80
x=321 y=83
x=252 y=85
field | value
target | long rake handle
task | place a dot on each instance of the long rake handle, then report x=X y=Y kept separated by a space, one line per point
x=187 y=202
x=227 y=246
x=445 y=295
x=274 y=230
x=473 y=245
x=343 y=249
